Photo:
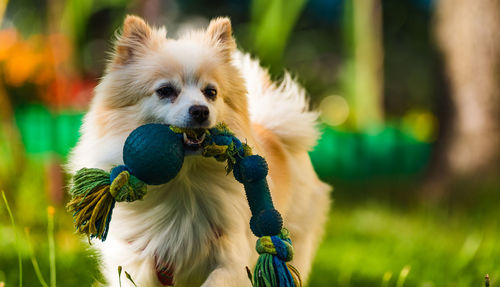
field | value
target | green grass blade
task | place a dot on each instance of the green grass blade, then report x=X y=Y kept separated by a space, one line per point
x=17 y=242
x=129 y=278
x=34 y=262
x=386 y=278
x=402 y=276
x=120 y=275
x=52 y=249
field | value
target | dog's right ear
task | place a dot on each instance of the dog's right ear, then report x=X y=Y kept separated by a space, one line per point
x=133 y=41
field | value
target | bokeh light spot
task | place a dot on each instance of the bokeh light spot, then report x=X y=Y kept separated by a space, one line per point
x=334 y=110
x=422 y=125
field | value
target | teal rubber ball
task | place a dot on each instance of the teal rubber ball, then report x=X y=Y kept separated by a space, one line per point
x=154 y=153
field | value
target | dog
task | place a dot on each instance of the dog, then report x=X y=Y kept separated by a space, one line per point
x=194 y=230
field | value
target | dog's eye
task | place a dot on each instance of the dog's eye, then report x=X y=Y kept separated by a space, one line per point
x=210 y=92
x=166 y=92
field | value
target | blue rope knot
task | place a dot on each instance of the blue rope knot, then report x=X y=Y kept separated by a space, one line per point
x=278 y=245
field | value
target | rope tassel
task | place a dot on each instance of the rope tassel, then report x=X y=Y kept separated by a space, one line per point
x=272 y=268
x=95 y=193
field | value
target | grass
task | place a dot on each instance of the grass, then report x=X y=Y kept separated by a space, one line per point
x=369 y=243
x=34 y=261
x=72 y=261
x=14 y=228
x=52 y=249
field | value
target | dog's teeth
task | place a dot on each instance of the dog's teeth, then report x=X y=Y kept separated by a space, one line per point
x=191 y=141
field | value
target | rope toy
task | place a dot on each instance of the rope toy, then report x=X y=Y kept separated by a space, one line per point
x=153 y=154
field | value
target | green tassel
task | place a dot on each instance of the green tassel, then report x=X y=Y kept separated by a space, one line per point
x=94 y=196
x=86 y=179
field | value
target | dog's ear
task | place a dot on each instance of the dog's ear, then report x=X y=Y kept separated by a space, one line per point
x=220 y=35
x=133 y=41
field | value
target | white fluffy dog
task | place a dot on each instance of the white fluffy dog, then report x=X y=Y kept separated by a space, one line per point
x=196 y=227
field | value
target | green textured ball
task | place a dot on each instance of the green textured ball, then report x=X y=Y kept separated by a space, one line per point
x=153 y=153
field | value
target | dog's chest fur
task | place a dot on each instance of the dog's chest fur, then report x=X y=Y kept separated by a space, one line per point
x=186 y=222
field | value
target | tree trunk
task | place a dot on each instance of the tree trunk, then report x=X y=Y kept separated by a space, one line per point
x=468 y=33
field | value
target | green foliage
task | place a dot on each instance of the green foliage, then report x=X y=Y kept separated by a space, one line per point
x=272 y=22
x=76 y=16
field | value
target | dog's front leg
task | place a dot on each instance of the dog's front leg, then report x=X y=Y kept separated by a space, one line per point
x=232 y=260
x=228 y=276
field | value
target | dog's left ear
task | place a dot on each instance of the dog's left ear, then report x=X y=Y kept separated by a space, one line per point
x=220 y=35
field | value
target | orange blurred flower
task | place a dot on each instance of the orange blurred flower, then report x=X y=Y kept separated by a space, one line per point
x=21 y=64
x=8 y=38
x=44 y=61
x=51 y=210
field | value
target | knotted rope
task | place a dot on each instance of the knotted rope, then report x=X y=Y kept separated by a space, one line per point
x=94 y=193
x=153 y=154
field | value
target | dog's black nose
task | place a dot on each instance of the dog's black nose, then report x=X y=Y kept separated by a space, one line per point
x=199 y=113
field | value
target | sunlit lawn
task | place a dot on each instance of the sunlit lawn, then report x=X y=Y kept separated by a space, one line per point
x=366 y=244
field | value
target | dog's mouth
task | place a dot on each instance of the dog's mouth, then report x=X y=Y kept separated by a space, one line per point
x=193 y=138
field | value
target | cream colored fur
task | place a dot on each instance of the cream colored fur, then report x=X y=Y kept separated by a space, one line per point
x=200 y=220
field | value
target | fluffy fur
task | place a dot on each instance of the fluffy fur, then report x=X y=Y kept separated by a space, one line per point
x=199 y=222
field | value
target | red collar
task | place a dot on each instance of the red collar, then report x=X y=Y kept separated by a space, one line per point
x=165 y=274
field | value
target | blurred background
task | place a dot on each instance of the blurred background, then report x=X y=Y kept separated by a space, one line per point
x=409 y=92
